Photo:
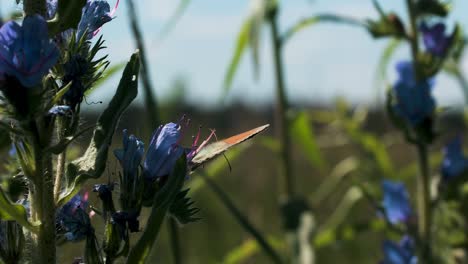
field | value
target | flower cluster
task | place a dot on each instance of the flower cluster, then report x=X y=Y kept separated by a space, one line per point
x=415 y=103
x=73 y=219
x=397 y=210
x=26 y=52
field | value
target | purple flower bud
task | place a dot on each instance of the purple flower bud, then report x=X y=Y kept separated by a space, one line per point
x=26 y=52
x=434 y=38
x=414 y=100
x=455 y=162
x=130 y=156
x=396 y=202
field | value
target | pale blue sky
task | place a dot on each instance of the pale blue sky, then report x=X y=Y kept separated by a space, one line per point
x=322 y=62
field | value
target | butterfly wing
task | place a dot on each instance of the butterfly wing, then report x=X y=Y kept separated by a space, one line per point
x=213 y=150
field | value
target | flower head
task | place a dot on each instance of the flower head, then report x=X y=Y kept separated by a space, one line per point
x=130 y=182
x=73 y=219
x=131 y=154
x=396 y=202
x=95 y=14
x=414 y=100
x=26 y=52
x=163 y=151
x=401 y=253
x=454 y=162
x=434 y=38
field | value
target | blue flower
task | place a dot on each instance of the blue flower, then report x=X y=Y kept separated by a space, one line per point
x=163 y=151
x=434 y=38
x=401 y=253
x=414 y=100
x=73 y=219
x=26 y=52
x=131 y=154
x=95 y=14
x=454 y=163
x=396 y=202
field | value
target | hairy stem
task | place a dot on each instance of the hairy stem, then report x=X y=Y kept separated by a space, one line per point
x=61 y=159
x=42 y=197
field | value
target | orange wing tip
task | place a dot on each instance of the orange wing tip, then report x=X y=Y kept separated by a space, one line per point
x=246 y=135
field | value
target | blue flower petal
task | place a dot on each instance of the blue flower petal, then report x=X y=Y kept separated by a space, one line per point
x=396 y=202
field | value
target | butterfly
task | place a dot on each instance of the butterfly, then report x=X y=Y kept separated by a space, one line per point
x=217 y=148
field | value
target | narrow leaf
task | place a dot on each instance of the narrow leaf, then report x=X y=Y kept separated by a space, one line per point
x=241 y=45
x=93 y=162
x=303 y=133
x=313 y=20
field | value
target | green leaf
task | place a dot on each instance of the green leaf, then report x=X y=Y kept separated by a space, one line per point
x=68 y=16
x=243 y=39
x=372 y=146
x=384 y=60
x=182 y=210
x=161 y=204
x=321 y=18
x=303 y=133
x=93 y=162
x=329 y=184
x=15 y=212
x=340 y=213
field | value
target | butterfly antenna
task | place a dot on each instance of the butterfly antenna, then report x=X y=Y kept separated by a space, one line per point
x=227 y=160
x=92 y=103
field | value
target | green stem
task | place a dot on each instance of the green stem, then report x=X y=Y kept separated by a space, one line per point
x=281 y=107
x=150 y=100
x=424 y=181
x=424 y=203
x=463 y=82
x=32 y=7
x=243 y=221
x=175 y=243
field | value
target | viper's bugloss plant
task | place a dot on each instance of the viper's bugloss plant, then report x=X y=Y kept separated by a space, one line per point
x=454 y=162
x=399 y=253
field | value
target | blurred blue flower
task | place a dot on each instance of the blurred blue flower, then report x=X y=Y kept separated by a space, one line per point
x=454 y=162
x=401 y=253
x=396 y=202
x=130 y=156
x=26 y=52
x=163 y=151
x=73 y=219
x=414 y=100
x=95 y=14
x=434 y=38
